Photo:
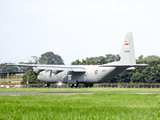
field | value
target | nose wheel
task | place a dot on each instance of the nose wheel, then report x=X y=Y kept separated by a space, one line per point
x=47 y=85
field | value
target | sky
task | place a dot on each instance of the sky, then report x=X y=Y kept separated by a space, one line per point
x=77 y=29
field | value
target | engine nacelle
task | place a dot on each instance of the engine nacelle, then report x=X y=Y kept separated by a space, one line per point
x=36 y=69
x=54 y=71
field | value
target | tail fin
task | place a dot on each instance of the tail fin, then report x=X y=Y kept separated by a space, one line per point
x=127 y=55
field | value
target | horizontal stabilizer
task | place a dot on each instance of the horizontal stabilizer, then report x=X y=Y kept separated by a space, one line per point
x=131 y=68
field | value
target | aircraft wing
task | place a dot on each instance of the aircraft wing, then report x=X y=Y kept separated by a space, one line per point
x=74 y=69
x=124 y=65
x=23 y=65
x=51 y=67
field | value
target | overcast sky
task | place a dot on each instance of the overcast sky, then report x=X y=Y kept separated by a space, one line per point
x=76 y=29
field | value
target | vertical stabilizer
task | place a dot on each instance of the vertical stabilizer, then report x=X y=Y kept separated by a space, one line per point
x=127 y=52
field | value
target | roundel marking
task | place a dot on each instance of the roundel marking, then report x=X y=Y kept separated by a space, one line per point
x=96 y=71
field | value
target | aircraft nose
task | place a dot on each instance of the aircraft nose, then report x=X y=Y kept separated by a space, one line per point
x=39 y=77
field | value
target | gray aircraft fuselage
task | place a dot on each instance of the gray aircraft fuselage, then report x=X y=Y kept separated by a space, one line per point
x=93 y=74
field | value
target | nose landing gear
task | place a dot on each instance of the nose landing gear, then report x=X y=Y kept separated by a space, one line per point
x=47 y=85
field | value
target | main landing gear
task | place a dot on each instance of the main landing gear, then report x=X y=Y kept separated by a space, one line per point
x=73 y=85
x=76 y=85
x=88 y=85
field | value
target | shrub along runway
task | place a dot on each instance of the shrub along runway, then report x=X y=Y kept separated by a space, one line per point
x=74 y=91
x=70 y=93
x=77 y=90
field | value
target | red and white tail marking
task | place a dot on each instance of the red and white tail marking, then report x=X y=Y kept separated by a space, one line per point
x=126 y=44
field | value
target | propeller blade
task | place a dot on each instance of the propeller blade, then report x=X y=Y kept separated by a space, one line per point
x=50 y=73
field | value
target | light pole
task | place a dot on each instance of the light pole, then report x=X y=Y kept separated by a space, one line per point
x=28 y=75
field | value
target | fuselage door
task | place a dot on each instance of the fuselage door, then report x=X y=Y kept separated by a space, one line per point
x=69 y=77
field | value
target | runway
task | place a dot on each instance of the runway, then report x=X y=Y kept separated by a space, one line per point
x=70 y=93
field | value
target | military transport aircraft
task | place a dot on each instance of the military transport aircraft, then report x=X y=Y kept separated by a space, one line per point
x=87 y=74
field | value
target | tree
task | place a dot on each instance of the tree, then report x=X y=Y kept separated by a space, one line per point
x=140 y=57
x=137 y=77
x=151 y=57
x=36 y=59
x=111 y=57
x=97 y=60
x=46 y=58
x=6 y=68
x=50 y=58
x=31 y=77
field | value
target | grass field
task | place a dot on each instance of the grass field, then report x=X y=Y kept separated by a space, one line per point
x=81 y=107
x=80 y=89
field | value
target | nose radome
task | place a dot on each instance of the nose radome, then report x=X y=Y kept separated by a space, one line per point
x=39 y=77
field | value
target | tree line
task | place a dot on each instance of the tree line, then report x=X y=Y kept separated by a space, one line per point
x=46 y=58
x=150 y=74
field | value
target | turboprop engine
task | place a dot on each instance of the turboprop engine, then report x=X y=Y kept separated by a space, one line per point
x=53 y=71
x=52 y=76
x=36 y=69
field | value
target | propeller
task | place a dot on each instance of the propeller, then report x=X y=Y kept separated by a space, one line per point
x=50 y=75
x=53 y=71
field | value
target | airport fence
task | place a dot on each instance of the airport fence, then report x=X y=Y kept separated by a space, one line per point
x=110 y=85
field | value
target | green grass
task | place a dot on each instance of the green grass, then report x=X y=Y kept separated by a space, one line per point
x=81 y=107
x=80 y=90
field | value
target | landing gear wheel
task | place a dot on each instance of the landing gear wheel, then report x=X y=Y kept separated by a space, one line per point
x=47 y=85
x=76 y=85
x=71 y=85
x=90 y=85
x=86 y=85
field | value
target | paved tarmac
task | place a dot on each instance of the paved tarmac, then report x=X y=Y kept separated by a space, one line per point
x=70 y=93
